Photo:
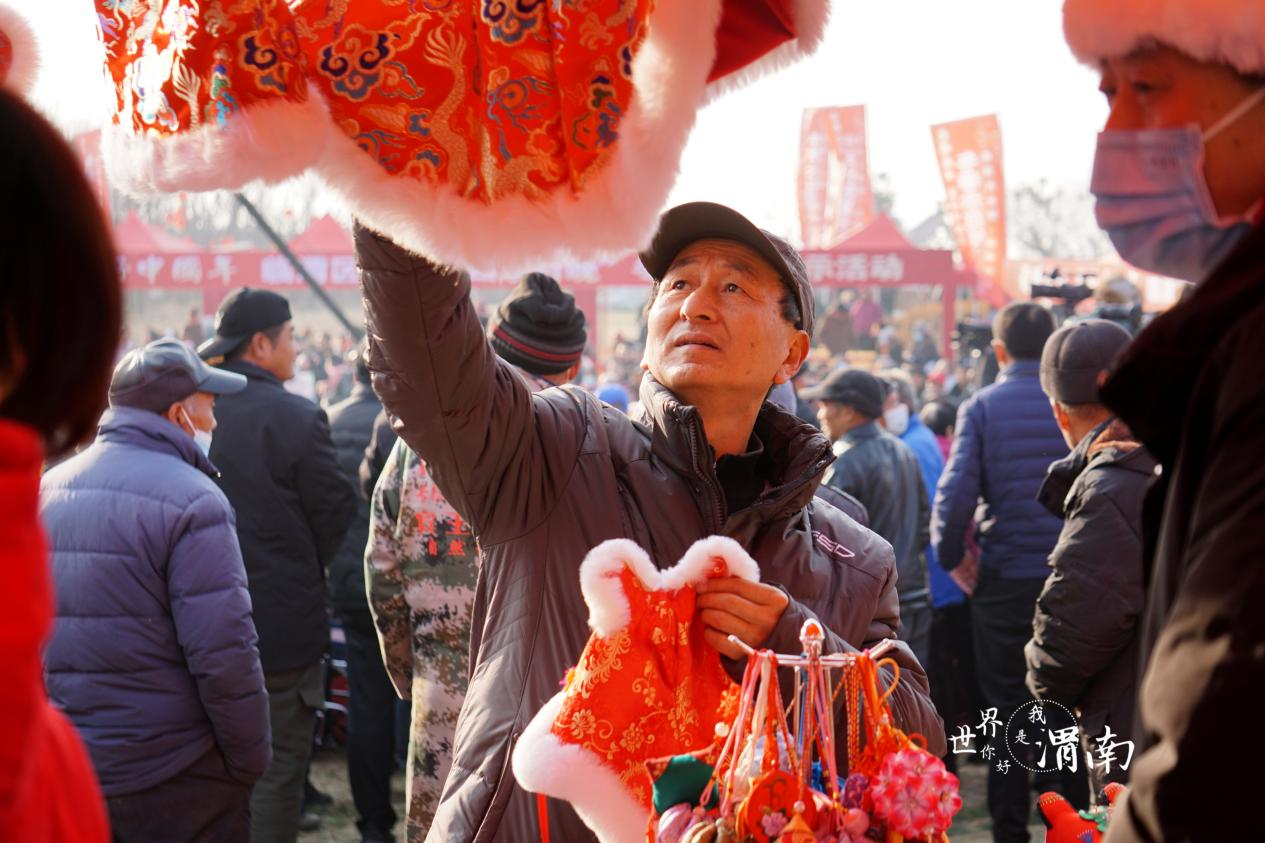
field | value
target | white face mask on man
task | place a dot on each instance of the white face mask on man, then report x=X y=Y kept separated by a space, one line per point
x=896 y=419
x=201 y=438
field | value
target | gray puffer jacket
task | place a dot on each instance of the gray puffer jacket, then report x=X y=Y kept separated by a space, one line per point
x=1084 y=647
x=543 y=478
x=154 y=656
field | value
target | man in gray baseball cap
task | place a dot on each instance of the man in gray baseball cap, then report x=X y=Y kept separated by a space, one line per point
x=167 y=378
x=154 y=654
x=1083 y=653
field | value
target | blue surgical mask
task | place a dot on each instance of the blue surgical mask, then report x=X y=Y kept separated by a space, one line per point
x=1153 y=199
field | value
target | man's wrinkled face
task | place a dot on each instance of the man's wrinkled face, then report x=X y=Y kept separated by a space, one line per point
x=835 y=419
x=1162 y=88
x=716 y=325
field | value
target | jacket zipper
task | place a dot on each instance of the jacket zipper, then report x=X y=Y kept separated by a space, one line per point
x=718 y=519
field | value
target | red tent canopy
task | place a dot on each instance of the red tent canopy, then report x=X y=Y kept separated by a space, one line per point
x=879 y=255
x=323 y=237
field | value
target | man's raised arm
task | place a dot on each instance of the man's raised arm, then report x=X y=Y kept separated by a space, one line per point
x=466 y=413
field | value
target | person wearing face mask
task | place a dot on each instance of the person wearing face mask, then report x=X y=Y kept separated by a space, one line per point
x=882 y=473
x=1180 y=176
x=154 y=655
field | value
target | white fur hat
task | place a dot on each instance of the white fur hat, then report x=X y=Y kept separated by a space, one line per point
x=1228 y=32
x=18 y=52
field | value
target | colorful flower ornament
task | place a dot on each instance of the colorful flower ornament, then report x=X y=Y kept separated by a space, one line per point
x=484 y=133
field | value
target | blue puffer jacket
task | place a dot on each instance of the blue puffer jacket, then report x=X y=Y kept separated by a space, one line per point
x=154 y=655
x=1006 y=439
x=920 y=439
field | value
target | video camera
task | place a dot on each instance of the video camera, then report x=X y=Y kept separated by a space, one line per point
x=1069 y=294
x=972 y=338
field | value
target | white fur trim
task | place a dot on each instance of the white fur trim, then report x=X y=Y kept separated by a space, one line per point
x=26 y=53
x=811 y=17
x=268 y=141
x=604 y=593
x=544 y=764
x=1224 y=31
x=617 y=209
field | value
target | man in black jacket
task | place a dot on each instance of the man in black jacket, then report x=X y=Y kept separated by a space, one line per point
x=1084 y=650
x=882 y=473
x=281 y=474
x=371 y=725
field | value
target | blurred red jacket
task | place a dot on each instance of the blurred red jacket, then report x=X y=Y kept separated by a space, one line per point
x=48 y=791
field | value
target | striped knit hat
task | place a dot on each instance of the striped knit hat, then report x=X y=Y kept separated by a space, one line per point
x=538 y=327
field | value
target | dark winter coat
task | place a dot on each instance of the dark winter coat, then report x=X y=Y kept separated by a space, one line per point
x=1006 y=439
x=1084 y=651
x=544 y=478
x=1190 y=388
x=280 y=471
x=351 y=424
x=883 y=474
x=153 y=656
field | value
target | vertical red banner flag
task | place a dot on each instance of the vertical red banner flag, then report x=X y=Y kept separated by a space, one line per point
x=835 y=196
x=969 y=152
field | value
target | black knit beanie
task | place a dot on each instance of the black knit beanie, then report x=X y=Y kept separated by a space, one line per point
x=538 y=327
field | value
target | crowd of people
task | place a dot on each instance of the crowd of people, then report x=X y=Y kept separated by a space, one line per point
x=1082 y=532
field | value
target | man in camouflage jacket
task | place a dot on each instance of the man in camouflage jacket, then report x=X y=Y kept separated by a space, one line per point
x=421 y=564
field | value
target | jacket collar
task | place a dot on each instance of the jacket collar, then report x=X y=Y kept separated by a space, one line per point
x=1156 y=376
x=860 y=433
x=250 y=370
x=1019 y=369
x=1108 y=443
x=796 y=453
x=149 y=430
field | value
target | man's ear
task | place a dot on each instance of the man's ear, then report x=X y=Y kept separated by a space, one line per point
x=1003 y=356
x=796 y=354
x=177 y=418
x=1061 y=418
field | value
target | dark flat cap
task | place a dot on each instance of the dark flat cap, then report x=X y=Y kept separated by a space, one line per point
x=694 y=221
x=244 y=313
x=158 y=375
x=854 y=387
x=1075 y=357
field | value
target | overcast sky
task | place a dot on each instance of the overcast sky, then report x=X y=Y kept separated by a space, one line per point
x=914 y=63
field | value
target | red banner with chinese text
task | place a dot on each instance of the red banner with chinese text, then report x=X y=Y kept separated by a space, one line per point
x=969 y=152
x=835 y=195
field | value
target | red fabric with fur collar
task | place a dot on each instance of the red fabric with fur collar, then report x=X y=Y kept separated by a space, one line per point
x=653 y=689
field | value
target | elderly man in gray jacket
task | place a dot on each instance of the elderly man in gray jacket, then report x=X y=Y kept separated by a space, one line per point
x=543 y=478
x=154 y=656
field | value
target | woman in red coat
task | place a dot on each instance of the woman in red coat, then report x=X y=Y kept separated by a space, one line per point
x=60 y=314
